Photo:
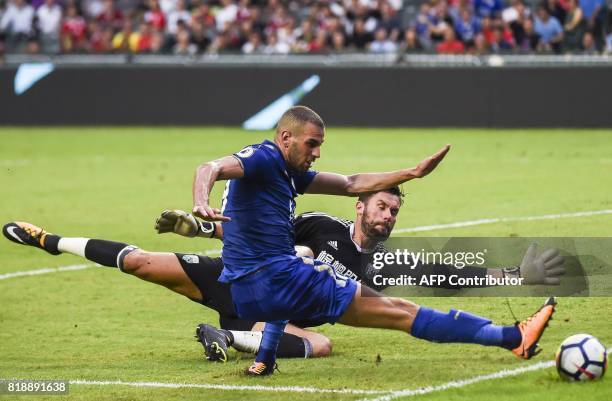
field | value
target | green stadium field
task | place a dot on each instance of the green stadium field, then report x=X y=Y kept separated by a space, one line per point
x=99 y=326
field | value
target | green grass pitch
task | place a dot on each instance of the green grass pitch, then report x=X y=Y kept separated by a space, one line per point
x=100 y=325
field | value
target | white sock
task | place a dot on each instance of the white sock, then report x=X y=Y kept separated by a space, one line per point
x=75 y=246
x=247 y=341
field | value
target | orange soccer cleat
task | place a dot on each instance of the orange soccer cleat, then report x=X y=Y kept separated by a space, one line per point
x=532 y=329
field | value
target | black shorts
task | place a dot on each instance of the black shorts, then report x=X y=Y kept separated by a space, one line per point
x=204 y=272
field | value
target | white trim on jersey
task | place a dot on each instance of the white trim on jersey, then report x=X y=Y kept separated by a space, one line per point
x=345 y=223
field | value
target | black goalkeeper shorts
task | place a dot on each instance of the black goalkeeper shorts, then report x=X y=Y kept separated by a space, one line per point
x=204 y=272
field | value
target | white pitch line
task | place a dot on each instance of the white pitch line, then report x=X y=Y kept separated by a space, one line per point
x=466 y=382
x=462 y=383
x=492 y=220
x=458 y=224
x=291 y=389
x=45 y=271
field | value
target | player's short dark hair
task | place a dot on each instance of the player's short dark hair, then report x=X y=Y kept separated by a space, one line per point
x=396 y=190
x=298 y=116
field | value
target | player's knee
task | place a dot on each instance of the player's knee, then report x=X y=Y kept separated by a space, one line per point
x=406 y=305
x=135 y=262
x=321 y=346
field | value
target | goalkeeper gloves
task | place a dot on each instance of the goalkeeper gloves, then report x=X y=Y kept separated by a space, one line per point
x=545 y=268
x=183 y=223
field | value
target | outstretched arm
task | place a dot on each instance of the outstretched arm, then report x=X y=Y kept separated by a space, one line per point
x=352 y=185
x=205 y=176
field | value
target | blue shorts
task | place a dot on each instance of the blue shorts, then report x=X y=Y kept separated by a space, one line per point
x=293 y=289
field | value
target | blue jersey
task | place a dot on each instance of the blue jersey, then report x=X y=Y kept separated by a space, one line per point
x=261 y=205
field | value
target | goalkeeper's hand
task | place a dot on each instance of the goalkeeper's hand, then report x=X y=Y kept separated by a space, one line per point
x=545 y=268
x=183 y=223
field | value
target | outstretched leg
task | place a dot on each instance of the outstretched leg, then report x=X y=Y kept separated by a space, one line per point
x=159 y=268
x=369 y=309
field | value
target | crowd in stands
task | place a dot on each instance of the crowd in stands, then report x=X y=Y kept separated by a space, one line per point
x=268 y=27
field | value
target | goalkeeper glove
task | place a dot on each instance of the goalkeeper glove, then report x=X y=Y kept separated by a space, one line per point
x=545 y=268
x=183 y=223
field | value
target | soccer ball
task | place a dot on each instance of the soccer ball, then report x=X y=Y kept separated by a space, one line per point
x=581 y=357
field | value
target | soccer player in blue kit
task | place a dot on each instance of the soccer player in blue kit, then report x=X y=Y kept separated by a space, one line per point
x=270 y=283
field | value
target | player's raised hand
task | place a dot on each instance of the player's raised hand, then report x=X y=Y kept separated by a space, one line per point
x=545 y=268
x=177 y=221
x=429 y=164
x=205 y=212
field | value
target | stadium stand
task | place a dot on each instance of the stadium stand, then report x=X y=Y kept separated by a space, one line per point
x=275 y=27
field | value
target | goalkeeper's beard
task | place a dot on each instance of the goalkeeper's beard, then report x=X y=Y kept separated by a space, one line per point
x=368 y=227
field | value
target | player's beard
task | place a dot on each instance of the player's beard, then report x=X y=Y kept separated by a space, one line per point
x=372 y=229
x=295 y=160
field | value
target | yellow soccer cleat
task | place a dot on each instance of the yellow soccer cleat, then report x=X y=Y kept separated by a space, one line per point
x=28 y=234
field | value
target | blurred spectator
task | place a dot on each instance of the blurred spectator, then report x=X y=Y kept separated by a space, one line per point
x=411 y=43
x=90 y=8
x=100 y=39
x=32 y=47
x=319 y=44
x=16 y=24
x=74 y=31
x=608 y=46
x=450 y=44
x=273 y=46
x=167 y=6
x=360 y=37
x=253 y=45
x=550 y=31
x=49 y=22
x=389 y=20
x=498 y=43
x=178 y=13
x=595 y=13
x=467 y=26
x=183 y=44
x=109 y=16
x=154 y=16
x=555 y=9
x=488 y=8
x=422 y=25
x=528 y=42
x=199 y=35
x=516 y=12
x=144 y=38
x=440 y=21
x=588 y=44
x=226 y=15
x=480 y=45
x=126 y=40
x=573 y=27
x=338 y=42
x=381 y=43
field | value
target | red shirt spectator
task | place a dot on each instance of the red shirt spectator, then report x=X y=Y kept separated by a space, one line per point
x=155 y=16
x=450 y=45
x=145 y=39
x=110 y=16
x=74 y=30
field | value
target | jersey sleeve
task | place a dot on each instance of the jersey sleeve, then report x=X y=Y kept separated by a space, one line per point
x=307 y=229
x=302 y=181
x=254 y=161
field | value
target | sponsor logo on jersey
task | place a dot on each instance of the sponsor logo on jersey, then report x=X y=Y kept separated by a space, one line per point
x=339 y=268
x=192 y=259
x=333 y=244
x=246 y=152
